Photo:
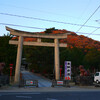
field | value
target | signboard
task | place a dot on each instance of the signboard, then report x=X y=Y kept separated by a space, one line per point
x=59 y=82
x=29 y=82
x=67 y=70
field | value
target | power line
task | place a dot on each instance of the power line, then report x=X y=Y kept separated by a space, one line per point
x=47 y=20
x=36 y=27
x=93 y=31
x=89 y=18
x=87 y=33
x=97 y=20
x=48 y=12
x=22 y=26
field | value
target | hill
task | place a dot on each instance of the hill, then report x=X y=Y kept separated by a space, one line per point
x=73 y=40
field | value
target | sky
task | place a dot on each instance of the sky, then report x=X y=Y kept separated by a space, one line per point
x=80 y=16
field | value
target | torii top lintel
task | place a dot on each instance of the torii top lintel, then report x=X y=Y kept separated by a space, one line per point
x=36 y=34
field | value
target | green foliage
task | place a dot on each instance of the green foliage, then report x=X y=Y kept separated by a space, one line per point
x=74 y=55
x=7 y=52
x=41 y=58
x=50 y=30
x=77 y=56
x=92 y=58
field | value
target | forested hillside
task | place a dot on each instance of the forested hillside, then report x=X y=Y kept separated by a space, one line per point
x=73 y=40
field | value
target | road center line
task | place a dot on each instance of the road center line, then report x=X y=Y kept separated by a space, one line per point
x=51 y=99
x=28 y=93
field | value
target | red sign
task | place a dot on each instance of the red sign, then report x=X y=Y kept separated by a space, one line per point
x=67 y=78
x=31 y=82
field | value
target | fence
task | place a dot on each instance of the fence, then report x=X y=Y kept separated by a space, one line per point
x=83 y=80
x=4 y=80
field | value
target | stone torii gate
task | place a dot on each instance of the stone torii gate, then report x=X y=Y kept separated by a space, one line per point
x=39 y=36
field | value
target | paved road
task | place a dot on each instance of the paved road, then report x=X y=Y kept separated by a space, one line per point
x=50 y=96
x=42 y=82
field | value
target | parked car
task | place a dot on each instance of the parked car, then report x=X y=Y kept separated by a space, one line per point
x=97 y=77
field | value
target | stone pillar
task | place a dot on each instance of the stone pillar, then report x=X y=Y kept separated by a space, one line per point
x=38 y=39
x=18 y=60
x=57 y=68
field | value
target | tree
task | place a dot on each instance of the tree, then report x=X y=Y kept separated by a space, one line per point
x=75 y=55
x=41 y=58
x=92 y=59
x=7 y=52
x=50 y=30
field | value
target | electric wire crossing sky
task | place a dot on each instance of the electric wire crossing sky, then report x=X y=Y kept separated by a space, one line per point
x=80 y=16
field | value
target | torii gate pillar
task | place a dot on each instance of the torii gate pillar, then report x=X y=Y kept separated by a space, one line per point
x=57 y=67
x=18 y=60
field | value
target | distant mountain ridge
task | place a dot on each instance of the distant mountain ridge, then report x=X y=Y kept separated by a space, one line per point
x=79 y=41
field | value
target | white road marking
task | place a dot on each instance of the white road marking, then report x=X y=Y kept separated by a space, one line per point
x=23 y=97
x=19 y=93
x=27 y=93
x=51 y=99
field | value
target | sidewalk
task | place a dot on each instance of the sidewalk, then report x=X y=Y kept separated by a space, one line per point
x=49 y=89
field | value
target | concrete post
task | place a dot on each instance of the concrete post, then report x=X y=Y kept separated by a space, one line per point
x=57 y=69
x=18 y=60
x=38 y=39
